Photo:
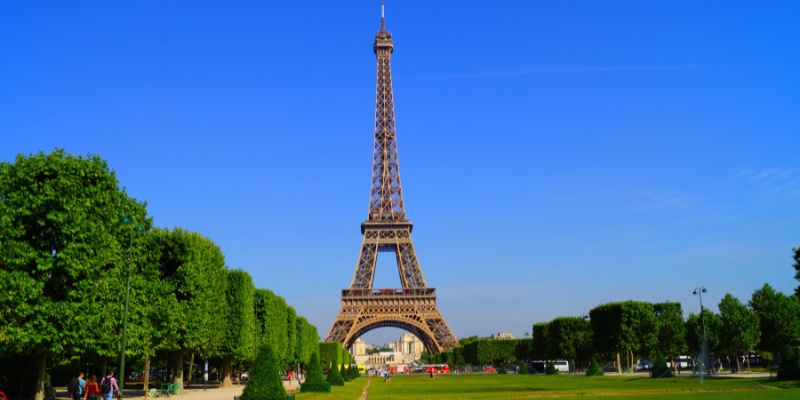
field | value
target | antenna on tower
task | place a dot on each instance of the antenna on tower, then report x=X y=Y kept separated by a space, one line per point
x=383 y=23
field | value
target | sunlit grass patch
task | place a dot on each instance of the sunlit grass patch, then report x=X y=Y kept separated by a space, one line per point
x=496 y=386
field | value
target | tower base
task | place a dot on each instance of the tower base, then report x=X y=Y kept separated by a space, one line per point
x=413 y=310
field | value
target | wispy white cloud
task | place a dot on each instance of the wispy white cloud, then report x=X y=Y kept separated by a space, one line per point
x=733 y=252
x=770 y=184
x=583 y=70
x=659 y=199
x=644 y=199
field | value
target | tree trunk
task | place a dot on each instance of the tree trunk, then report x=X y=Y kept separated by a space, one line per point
x=748 y=362
x=146 y=375
x=177 y=376
x=104 y=366
x=191 y=367
x=226 y=373
x=674 y=365
x=630 y=360
x=619 y=364
x=40 y=372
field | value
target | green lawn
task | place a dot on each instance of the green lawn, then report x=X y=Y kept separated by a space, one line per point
x=350 y=391
x=495 y=386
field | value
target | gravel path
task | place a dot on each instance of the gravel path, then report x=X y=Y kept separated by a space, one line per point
x=193 y=392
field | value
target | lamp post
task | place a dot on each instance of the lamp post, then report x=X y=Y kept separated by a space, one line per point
x=139 y=228
x=699 y=292
x=299 y=326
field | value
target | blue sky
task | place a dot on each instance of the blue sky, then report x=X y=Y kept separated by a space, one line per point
x=554 y=155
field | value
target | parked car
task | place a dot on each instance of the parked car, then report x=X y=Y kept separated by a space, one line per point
x=643 y=365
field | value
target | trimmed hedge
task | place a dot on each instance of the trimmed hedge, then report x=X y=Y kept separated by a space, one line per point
x=334 y=376
x=329 y=353
x=594 y=369
x=315 y=379
x=265 y=381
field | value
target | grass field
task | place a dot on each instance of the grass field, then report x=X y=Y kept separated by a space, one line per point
x=495 y=386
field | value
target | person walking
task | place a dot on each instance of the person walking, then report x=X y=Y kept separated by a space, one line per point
x=92 y=388
x=77 y=394
x=109 y=383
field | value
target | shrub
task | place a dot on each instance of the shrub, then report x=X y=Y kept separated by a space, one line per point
x=551 y=369
x=345 y=375
x=352 y=372
x=334 y=376
x=315 y=379
x=523 y=368
x=265 y=382
x=660 y=368
x=594 y=369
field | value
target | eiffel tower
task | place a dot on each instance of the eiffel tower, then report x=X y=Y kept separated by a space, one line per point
x=413 y=306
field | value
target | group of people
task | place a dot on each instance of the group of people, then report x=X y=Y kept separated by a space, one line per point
x=89 y=389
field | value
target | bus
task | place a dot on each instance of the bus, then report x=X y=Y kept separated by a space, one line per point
x=561 y=365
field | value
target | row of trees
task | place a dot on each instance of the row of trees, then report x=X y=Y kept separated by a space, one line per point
x=768 y=324
x=66 y=253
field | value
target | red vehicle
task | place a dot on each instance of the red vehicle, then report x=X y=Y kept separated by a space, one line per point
x=437 y=368
x=398 y=369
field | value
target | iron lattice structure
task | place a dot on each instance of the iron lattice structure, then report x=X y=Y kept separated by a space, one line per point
x=413 y=306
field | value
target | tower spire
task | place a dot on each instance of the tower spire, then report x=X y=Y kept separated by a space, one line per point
x=383 y=19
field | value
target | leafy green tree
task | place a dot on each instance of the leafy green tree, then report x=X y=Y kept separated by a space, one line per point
x=272 y=316
x=627 y=326
x=458 y=357
x=63 y=254
x=671 y=330
x=287 y=357
x=155 y=311
x=344 y=357
x=307 y=340
x=315 y=378
x=796 y=266
x=779 y=318
x=265 y=381
x=468 y=339
x=570 y=338
x=694 y=333
x=329 y=352
x=193 y=269
x=425 y=357
x=789 y=368
x=490 y=351
x=240 y=334
x=739 y=331
x=524 y=349
x=540 y=346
